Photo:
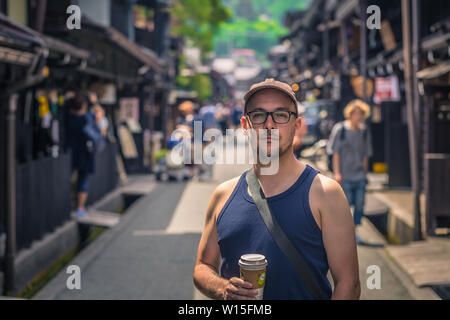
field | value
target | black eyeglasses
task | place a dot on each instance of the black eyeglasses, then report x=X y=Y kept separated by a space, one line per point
x=278 y=116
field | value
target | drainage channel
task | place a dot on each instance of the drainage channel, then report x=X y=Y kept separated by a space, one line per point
x=111 y=207
x=114 y=204
x=118 y=203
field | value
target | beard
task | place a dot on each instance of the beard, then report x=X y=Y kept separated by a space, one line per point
x=263 y=148
x=266 y=148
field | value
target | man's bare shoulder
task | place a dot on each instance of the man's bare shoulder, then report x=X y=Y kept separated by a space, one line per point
x=327 y=194
x=325 y=184
x=226 y=188
x=220 y=195
x=326 y=189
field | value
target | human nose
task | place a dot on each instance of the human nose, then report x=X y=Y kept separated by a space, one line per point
x=269 y=122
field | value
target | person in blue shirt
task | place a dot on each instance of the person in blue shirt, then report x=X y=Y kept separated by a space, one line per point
x=82 y=149
x=208 y=115
x=236 y=116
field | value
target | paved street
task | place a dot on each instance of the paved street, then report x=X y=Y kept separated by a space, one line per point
x=150 y=253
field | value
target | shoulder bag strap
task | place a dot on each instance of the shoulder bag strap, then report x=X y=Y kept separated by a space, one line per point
x=281 y=238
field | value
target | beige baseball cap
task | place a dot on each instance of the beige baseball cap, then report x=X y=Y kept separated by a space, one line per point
x=270 y=83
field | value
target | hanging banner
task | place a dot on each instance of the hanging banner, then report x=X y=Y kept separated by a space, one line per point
x=127 y=143
x=129 y=113
x=357 y=85
x=129 y=109
x=387 y=36
x=386 y=89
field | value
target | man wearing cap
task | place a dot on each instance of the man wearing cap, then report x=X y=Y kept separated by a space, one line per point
x=310 y=208
x=350 y=146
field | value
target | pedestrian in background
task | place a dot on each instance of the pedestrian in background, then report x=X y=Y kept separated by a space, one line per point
x=99 y=113
x=350 y=146
x=208 y=115
x=222 y=116
x=83 y=137
x=236 y=115
x=186 y=110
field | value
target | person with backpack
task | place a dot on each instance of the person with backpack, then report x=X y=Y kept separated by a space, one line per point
x=84 y=138
x=349 y=149
x=297 y=218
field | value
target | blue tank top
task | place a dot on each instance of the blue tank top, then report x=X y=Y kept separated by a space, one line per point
x=241 y=230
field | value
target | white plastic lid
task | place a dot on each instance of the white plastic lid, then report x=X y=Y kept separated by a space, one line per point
x=253 y=261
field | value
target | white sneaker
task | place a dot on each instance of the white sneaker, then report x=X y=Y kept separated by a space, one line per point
x=358 y=239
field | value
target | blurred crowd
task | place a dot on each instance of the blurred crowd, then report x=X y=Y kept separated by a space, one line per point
x=211 y=115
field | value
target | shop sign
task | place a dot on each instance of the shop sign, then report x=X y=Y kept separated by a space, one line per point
x=386 y=89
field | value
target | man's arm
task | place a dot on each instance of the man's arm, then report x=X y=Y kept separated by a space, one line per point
x=333 y=146
x=366 y=164
x=338 y=233
x=206 y=276
x=368 y=150
x=336 y=167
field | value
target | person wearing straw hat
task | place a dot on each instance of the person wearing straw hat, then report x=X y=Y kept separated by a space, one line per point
x=350 y=146
x=186 y=110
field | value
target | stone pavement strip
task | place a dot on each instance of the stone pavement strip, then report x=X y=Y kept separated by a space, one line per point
x=395 y=283
x=426 y=262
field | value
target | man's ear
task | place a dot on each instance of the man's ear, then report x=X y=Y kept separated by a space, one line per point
x=298 y=123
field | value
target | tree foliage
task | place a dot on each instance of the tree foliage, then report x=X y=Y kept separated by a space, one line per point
x=198 y=21
x=200 y=83
x=256 y=24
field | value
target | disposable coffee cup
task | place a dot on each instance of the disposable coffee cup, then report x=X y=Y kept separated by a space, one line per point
x=253 y=269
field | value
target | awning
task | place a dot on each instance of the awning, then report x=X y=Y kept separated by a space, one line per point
x=22 y=46
x=434 y=71
x=436 y=41
x=65 y=48
x=145 y=56
x=20 y=43
x=386 y=58
x=15 y=34
x=329 y=25
x=14 y=56
x=17 y=44
x=346 y=8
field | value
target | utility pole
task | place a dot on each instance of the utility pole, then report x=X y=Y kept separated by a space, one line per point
x=412 y=117
x=363 y=47
x=10 y=194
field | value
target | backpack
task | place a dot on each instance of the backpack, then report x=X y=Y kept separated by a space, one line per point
x=341 y=134
x=93 y=137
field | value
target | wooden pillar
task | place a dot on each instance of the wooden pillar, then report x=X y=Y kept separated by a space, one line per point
x=412 y=128
x=10 y=249
x=363 y=47
x=344 y=41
